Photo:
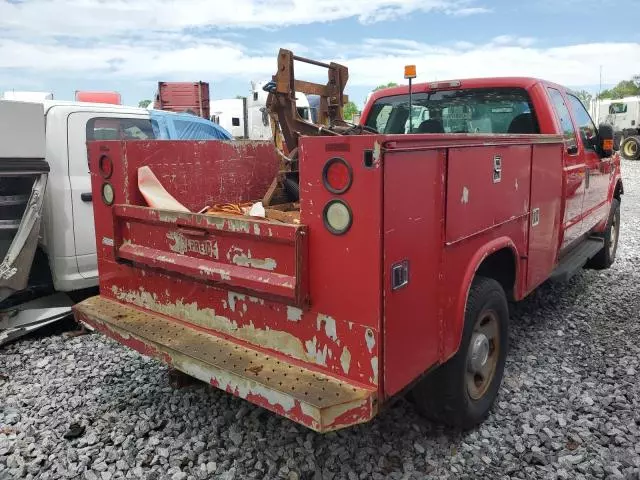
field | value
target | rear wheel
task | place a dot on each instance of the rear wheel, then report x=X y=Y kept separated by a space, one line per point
x=461 y=392
x=605 y=257
x=630 y=148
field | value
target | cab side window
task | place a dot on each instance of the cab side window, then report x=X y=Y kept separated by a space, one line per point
x=585 y=124
x=564 y=117
x=616 y=108
x=113 y=128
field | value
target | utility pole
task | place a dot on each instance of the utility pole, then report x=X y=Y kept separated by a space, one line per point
x=600 y=90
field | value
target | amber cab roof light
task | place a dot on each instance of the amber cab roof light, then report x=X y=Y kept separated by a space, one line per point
x=409 y=71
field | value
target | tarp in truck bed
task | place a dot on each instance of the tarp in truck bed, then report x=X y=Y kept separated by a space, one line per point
x=189 y=127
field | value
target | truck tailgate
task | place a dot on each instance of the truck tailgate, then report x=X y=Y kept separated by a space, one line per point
x=248 y=255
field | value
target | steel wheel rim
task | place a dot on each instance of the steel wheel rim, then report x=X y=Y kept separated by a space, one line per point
x=630 y=148
x=613 y=236
x=478 y=380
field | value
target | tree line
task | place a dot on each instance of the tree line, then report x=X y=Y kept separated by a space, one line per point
x=625 y=88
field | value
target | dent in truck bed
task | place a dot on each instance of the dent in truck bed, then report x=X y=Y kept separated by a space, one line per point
x=246 y=254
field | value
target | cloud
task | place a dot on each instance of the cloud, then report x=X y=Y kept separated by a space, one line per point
x=465 y=12
x=371 y=62
x=97 y=18
x=125 y=42
x=568 y=64
x=510 y=40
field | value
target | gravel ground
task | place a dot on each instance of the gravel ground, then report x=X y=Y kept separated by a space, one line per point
x=569 y=406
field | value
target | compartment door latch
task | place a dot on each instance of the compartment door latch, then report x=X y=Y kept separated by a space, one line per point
x=399 y=274
x=497 y=169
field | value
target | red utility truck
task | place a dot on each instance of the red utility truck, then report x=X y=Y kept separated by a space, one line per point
x=184 y=97
x=413 y=236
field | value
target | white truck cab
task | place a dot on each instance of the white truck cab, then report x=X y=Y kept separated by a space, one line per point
x=67 y=234
x=623 y=114
x=47 y=234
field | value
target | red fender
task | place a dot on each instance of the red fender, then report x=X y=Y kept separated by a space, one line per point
x=463 y=293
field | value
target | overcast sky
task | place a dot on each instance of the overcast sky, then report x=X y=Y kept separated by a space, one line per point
x=128 y=46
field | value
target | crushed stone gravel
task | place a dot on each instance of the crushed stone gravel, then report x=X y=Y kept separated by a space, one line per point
x=569 y=406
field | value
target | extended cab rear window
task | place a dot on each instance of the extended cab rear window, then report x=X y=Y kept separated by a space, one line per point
x=478 y=110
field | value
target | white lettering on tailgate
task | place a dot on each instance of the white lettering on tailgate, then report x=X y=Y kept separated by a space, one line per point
x=183 y=245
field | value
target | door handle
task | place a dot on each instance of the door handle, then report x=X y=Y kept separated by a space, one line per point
x=86 y=197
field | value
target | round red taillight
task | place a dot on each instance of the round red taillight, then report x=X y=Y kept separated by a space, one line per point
x=337 y=175
x=105 y=165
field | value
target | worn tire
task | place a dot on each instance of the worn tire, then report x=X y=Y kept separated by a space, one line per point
x=605 y=257
x=630 y=148
x=443 y=396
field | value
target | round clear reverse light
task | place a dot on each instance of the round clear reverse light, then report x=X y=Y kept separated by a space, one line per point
x=337 y=217
x=107 y=193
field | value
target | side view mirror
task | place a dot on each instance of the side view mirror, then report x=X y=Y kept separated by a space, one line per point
x=605 y=137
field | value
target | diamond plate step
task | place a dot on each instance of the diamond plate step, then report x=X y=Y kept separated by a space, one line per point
x=321 y=402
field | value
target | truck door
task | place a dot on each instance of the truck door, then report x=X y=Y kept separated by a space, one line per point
x=595 y=206
x=574 y=171
x=84 y=126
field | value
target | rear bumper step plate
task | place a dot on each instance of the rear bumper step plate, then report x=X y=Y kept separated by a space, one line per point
x=316 y=400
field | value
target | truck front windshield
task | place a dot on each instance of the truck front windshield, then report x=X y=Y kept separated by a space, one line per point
x=480 y=110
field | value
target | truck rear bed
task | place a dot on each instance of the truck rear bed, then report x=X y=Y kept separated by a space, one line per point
x=223 y=297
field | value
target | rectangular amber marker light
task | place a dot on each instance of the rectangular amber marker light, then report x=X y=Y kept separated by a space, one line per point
x=410 y=71
x=607 y=144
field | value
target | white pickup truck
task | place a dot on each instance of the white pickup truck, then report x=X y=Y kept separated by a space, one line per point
x=45 y=189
